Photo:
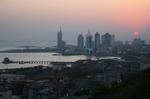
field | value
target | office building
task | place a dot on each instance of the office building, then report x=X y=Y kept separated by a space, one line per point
x=80 y=42
x=89 y=43
x=60 y=43
x=106 y=39
x=97 y=40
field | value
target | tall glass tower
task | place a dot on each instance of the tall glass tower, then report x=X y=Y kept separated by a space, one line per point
x=89 y=42
x=97 y=40
x=59 y=39
x=80 y=42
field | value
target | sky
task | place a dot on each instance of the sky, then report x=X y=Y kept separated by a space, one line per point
x=41 y=19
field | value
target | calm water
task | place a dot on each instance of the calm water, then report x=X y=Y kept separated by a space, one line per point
x=37 y=57
x=5 y=45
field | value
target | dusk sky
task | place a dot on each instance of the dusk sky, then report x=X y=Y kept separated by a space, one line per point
x=41 y=19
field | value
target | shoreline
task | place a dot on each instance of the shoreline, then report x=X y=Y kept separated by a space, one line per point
x=54 y=51
x=27 y=50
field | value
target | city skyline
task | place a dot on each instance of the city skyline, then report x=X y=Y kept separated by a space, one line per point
x=29 y=19
x=74 y=49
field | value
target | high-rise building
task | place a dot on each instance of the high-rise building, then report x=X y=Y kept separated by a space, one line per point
x=59 y=39
x=112 y=40
x=106 y=39
x=97 y=40
x=89 y=42
x=60 y=43
x=80 y=42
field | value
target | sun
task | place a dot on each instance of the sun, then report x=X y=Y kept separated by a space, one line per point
x=136 y=33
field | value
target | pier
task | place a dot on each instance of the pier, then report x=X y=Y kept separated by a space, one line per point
x=31 y=62
x=8 y=61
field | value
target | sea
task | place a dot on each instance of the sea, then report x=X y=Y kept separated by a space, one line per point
x=6 y=45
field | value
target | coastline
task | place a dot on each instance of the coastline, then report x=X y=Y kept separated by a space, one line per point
x=27 y=50
x=54 y=50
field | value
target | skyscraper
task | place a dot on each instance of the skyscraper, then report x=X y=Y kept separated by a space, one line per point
x=112 y=40
x=89 y=42
x=59 y=39
x=80 y=42
x=60 y=43
x=106 y=39
x=97 y=40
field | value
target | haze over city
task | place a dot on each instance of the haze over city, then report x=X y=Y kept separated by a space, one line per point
x=74 y=49
x=41 y=19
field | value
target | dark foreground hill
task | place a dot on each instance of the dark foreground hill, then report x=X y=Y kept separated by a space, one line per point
x=137 y=87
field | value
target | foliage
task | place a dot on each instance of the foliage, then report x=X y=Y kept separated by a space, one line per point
x=137 y=87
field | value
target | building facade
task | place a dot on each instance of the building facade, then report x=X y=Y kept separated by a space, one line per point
x=60 y=43
x=97 y=41
x=106 y=39
x=80 y=42
x=89 y=43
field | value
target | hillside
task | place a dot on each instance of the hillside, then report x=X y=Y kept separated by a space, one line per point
x=137 y=87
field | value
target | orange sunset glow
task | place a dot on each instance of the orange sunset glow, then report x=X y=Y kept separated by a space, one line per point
x=74 y=49
x=131 y=15
x=136 y=33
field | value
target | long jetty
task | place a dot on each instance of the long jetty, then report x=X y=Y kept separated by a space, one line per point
x=8 y=61
x=31 y=62
x=41 y=62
